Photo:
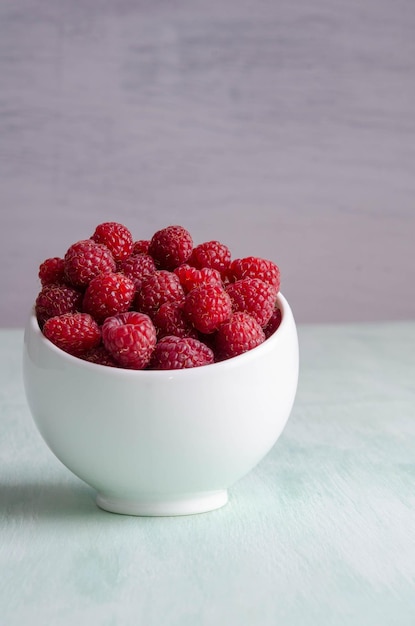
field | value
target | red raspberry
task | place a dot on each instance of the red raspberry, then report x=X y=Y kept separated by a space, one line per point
x=253 y=296
x=170 y=320
x=130 y=338
x=141 y=246
x=136 y=267
x=207 y=307
x=156 y=289
x=100 y=356
x=190 y=277
x=108 y=294
x=211 y=254
x=86 y=259
x=273 y=323
x=174 y=353
x=75 y=333
x=171 y=247
x=116 y=237
x=52 y=271
x=254 y=267
x=56 y=300
x=240 y=334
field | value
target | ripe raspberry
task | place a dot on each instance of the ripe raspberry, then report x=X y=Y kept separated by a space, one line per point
x=210 y=276
x=130 y=338
x=254 y=267
x=171 y=246
x=253 y=296
x=56 y=300
x=156 y=289
x=240 y=334
x=52 y=271
x=75 y=333
x=207 y=307
x=108 y=294
x=170 y=320
x=100 y=356
x=116 y=237
x=211 y=254
x=174 y=353
x=136 y=267
x=86 y=259
x=141 y=246
x=273 y=323
x=190 y=277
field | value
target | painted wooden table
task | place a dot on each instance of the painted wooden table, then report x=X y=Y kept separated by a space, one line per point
x=321 y=533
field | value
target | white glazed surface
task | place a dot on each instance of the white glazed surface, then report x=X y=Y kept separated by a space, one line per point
x=162 y=442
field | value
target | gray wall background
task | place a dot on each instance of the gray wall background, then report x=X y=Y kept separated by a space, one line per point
x=284 y=128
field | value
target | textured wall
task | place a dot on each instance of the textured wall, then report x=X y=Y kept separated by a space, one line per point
x=286 y=129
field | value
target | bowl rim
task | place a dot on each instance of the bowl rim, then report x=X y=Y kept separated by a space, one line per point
x=252 y=354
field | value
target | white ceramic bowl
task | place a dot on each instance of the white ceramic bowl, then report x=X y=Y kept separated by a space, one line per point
x=162 y=442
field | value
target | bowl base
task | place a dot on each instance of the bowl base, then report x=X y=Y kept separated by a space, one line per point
x=186 y=504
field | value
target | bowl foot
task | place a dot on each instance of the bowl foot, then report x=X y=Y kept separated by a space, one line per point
x=186 y=504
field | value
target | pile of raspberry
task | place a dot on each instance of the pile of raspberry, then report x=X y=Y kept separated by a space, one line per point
x=156 y=304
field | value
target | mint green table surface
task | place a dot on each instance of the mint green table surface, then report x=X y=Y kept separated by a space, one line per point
x=321 y=533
